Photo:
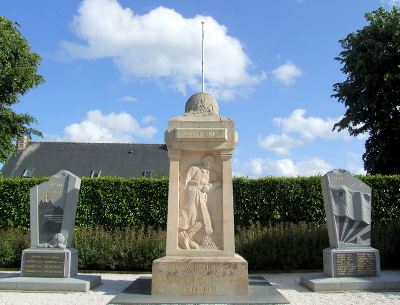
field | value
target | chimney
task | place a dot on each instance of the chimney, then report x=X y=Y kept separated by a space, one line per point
x=22 y=143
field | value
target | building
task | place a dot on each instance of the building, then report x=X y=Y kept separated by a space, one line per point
x=44 y=159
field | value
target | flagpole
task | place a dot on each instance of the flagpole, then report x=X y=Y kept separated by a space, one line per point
x=202 y=56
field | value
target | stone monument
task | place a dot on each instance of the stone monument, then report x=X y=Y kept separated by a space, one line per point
x=53 y=208
x=50 y=263
x=350 y=263
x=200 y=255
x=347 y=202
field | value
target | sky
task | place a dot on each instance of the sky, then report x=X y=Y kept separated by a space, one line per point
x=118 y=70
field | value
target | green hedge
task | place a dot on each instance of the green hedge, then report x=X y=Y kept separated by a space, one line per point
x=280 y=247
x=117 y=202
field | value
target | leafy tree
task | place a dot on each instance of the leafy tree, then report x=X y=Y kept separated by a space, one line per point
x=371 y=92
x=18 y=74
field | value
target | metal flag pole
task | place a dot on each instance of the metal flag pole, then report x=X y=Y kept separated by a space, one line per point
x=202 y=56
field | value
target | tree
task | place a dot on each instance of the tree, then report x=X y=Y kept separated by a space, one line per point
x=18 y=74
x=371 y=92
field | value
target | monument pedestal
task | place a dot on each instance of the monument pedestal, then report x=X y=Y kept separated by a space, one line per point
x=351 y=262
x=49 y=262
x=225 y=276
x=49 y=269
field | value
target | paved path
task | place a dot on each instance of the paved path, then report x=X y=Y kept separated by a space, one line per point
x=286 y=283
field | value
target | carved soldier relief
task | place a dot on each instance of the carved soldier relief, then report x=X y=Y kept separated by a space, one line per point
x=200 y=208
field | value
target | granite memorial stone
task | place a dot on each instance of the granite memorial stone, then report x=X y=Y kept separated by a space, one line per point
x=200 y=255
x=53 y=207
x=347 y=202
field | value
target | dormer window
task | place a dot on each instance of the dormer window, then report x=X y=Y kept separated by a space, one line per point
x=147 y=174
x=95 y=174
x=27 y=173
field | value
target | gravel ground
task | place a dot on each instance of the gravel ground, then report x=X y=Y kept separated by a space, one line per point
x=286 y=283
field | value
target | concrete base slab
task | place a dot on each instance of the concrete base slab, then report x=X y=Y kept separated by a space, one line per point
x=388 y=280
x=260 y=292
x=80 y=282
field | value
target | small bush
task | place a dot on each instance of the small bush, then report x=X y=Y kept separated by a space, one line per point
x=12 y=242
x=121 y=249
x=283 y=246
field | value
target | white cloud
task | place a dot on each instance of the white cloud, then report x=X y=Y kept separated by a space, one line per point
x=107 y=128
x=390 y=3
x=162 y=45
x=258 y=167
x=287 y=74
x=297 y=129
x=148 y=119
x=355 y=164
x=128 y=98
x=310 y=127
x=280 y=144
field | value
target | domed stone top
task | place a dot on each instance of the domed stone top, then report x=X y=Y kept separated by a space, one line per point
x=201 y=104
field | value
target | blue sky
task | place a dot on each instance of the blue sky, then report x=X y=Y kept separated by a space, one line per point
x=117 y=70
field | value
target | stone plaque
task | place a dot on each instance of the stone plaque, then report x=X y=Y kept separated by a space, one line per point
x=355 y=264
x=347 y=202
x=44 y=265
x=199 y=134
x=53 y=207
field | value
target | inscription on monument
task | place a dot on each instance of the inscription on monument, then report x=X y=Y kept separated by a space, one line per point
x=44 y=264
x=208 y=134
x=200 y=278
x=355 y=264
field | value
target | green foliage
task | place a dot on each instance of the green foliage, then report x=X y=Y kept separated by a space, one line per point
x=121 y=249
x=14 y=201
x=385 y=238
x=270 y=200
x=283 y=246
x=280 y=247
x=385 y=197
x=114 y=203
x=13 y=241
x=371 y=92
x=119 y=202
x=18 y=74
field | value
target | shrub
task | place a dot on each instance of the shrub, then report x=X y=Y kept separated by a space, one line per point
x=121 y=249
x=13 y=241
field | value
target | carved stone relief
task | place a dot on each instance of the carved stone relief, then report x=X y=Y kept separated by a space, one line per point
x=200 y=208
x=348 y=199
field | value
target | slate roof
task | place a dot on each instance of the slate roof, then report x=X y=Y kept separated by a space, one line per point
x=113 y=159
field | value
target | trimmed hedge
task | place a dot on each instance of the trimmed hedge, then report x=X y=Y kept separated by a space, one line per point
x=280 y=247
x=138 y=202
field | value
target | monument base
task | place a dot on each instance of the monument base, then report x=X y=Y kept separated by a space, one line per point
x=49 y=262
x=219 y=276
x=80 y=282
x=139 y=293
x=352 y=262
x=388 y=280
